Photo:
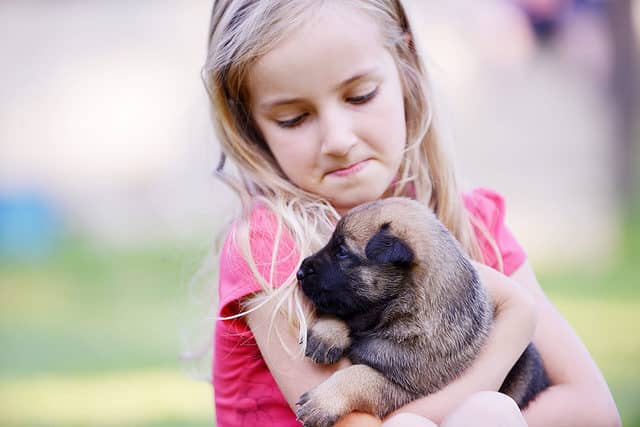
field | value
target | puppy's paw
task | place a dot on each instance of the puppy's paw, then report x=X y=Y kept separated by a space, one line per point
x=320 y=351
x=327 y=340
x=320 y=407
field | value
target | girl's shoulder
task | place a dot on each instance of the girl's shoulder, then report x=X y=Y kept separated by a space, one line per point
x=487 y=211
x=486 y=205
x=257 y=252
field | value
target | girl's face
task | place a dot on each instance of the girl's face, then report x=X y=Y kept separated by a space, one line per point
x=329 y=103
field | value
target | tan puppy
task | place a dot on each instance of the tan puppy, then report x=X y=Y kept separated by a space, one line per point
x=395 y=294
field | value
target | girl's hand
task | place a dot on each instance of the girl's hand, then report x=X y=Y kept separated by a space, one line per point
x=512 y=330
x=358 y=419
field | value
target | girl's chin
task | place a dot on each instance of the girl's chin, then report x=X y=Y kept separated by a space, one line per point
x=354 y=198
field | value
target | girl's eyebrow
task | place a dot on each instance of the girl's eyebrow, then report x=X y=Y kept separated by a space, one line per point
x=357 y=77
x=266 y=106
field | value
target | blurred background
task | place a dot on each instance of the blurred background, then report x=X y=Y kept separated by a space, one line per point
x=109 y=208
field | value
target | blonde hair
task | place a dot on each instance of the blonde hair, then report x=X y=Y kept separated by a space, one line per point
x=241 y=32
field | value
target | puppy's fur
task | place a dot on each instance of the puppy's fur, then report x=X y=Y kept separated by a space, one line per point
x=395 y=294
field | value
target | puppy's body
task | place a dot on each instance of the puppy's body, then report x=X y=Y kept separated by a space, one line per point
x=416 y=312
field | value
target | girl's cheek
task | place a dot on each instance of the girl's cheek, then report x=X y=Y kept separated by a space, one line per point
x=293 y=145
x=395 y=99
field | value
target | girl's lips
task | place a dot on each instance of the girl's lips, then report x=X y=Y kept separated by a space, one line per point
x=349 y=170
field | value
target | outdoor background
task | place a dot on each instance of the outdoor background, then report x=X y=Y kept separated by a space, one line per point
x=109 y=208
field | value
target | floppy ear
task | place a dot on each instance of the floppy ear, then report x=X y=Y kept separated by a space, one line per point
x=384 y=248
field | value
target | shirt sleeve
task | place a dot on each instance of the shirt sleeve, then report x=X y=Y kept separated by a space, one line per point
x=487 y=209
x=235 y=278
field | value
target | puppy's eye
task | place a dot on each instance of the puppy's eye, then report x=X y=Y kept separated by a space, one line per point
x=342 y=252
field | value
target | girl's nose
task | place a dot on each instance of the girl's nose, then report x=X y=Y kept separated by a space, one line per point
x=338 y=136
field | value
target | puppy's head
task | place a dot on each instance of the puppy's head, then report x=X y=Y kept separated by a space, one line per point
x=370 y=257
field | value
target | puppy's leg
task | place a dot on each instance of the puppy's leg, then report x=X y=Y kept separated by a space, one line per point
x=526 y=379
x=327 y=340
x=356 y=388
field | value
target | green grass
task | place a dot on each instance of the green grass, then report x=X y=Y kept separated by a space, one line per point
x=90 y=336
x=92 y=329
x=603 y=305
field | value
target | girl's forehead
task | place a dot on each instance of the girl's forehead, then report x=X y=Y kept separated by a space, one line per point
x=333 y=45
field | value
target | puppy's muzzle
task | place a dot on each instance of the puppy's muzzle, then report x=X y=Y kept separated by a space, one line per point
x=306 y=269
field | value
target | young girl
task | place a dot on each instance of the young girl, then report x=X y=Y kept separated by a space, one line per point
x=322 y=105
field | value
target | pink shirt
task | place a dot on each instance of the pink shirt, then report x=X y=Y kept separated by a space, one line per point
x=245 y=392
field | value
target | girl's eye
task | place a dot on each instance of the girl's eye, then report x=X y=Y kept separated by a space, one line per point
x=362 y=98
x=342 y=252
x=290 y=123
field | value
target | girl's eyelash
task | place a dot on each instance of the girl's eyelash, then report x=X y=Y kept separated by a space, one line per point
x=363 y=98
x=296 y=121
x=292 y=122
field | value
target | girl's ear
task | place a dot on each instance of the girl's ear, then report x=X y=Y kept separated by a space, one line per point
x=408 y=40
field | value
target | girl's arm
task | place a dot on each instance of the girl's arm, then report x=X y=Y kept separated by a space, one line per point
x=295 y=375
x=512 y=330
x=579 y=395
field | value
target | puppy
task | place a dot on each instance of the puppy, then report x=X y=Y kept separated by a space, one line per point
x=395 y=294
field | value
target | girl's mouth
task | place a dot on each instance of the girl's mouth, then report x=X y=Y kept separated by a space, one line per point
x=349 y=170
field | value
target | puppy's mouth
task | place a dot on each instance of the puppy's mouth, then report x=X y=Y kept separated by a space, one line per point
x=332 y=300
x=310 y=283
x=324 y=298
x=326 y=302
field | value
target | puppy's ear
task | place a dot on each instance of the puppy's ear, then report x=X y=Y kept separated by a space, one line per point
x=385 y=248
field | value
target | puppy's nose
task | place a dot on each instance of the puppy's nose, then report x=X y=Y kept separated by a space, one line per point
x=305 y=270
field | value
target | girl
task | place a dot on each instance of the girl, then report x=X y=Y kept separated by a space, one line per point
x=322 y=105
